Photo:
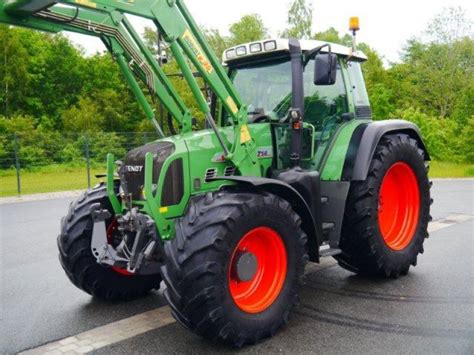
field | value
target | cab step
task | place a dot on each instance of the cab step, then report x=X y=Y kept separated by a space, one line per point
x=327 y=226
x=329 y=252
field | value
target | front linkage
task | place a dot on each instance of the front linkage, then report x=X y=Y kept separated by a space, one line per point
x=140 y=249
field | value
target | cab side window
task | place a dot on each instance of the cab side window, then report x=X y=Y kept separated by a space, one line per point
x=323 y=103
x=359 y=91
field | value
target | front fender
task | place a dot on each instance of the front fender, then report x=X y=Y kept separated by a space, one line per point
x=291 y=195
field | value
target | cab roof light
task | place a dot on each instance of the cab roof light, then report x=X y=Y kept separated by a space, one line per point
x=242 y=50
x=270 y=45
x=255 y=47
x=230 y=54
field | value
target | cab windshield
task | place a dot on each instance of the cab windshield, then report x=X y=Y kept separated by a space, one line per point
x=266 y=89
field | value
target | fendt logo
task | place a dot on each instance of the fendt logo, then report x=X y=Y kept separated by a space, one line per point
x=134 y=168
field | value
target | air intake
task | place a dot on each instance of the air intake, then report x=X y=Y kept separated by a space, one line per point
x=210 y=174
x=229 y=171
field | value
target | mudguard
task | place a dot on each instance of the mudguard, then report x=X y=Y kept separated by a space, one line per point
x=366 y=140
x=298 y=203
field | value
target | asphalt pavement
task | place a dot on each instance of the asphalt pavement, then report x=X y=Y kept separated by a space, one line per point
x=429 y=311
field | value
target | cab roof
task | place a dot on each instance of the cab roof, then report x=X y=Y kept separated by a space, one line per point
x=255 y=49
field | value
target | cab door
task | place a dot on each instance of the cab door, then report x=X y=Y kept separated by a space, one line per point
x=326 y=109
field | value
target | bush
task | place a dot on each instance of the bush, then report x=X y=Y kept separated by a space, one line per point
x=72 y=154
x=33 y=156
x=39 y=147
x=100 y=144
x=446 y=139
x=465 y=140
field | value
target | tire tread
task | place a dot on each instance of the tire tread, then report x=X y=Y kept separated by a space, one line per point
x=361 y=251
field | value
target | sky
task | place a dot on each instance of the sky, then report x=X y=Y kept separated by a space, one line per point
x=386 y=25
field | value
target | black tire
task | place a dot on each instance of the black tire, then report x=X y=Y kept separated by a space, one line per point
x=197 y=263
x=81 y=267
x=362 y=242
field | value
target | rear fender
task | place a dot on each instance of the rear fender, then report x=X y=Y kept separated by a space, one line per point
x=365 y=142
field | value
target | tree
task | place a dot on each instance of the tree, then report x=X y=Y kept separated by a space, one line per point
x=376 y=78
x=437 y=76
x=216 y=40
x=13 y=70
x=150 y=37
x=449 y=26
x=300 y=20
x=332 y=35
x=54 y=74
x=104 y=82
x=250 y=28
x=85 y=117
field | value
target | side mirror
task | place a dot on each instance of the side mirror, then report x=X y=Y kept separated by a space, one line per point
x=325 y=69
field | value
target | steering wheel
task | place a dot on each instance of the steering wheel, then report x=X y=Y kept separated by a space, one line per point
x=261 y=119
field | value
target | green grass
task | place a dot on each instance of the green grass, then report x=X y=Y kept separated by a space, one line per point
x=47 y=179
x=63 y=178
x=451 y=170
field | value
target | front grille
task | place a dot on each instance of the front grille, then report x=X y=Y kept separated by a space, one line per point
x=210 y=174
x=134 y=167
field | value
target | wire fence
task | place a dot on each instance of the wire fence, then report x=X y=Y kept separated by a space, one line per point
x=43 y=161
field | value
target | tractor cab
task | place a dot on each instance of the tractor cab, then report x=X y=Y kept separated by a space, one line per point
x=262 y=73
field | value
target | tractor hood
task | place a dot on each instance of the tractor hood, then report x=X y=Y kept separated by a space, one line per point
x=181 y=166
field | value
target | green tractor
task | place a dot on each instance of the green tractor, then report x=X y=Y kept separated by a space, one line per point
x=290 y=168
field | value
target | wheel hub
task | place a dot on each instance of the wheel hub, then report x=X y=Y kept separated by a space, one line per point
x=246 y=266
x=399 y=206
x=257 y=270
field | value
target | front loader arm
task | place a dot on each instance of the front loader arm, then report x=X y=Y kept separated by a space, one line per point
x=107 y=20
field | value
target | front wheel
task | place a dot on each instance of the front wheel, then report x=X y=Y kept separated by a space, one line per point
x=232 y=272
x=386 y=217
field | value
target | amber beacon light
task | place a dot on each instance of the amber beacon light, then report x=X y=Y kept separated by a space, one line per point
x=354 y=27
x=354 y=24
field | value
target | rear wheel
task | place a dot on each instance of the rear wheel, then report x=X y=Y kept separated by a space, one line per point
x=233 y=270
x=75 y=255
x=387 y=215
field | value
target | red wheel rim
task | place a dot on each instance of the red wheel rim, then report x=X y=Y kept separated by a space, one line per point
x=110 y=233
x=262 y=290
x=399 y=206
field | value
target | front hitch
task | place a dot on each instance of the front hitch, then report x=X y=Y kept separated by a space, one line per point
x=138 y=230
